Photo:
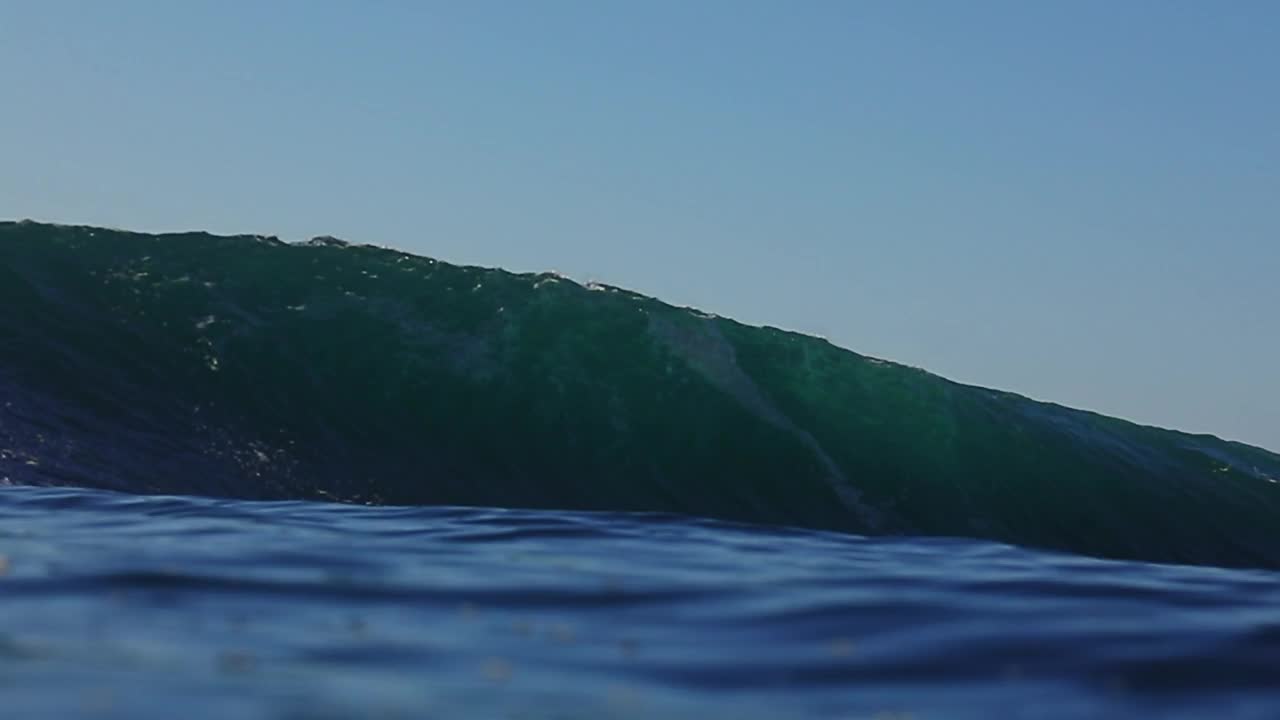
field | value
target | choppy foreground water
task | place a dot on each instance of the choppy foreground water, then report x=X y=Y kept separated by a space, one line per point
x=120 y=606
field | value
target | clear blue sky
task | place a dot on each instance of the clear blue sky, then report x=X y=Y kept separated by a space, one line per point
x=1079 y=201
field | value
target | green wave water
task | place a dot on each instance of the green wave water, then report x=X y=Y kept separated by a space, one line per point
x=247 y=367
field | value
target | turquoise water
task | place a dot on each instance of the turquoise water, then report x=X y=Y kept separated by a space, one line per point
x=246 y=367
x=240 y=477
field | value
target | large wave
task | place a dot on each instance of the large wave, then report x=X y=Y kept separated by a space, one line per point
x=248 y=367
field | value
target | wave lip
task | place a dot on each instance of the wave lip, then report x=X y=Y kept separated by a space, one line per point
x=251 y=368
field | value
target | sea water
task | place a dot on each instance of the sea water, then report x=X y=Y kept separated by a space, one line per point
x=247 y=478
x=120 y=606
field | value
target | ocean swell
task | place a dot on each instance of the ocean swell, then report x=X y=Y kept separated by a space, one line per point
x=251 y=368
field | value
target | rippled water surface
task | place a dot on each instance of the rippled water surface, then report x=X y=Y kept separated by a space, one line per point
x=155 y=607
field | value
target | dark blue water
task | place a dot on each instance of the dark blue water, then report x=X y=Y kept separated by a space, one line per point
x=119 y=606
x=243 y=367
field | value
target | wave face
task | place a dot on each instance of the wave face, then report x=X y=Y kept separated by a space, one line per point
x=251 y=368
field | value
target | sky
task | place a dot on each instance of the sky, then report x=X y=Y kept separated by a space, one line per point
x=1077 y=201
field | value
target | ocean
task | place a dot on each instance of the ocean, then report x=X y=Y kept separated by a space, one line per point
x=241 y=477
